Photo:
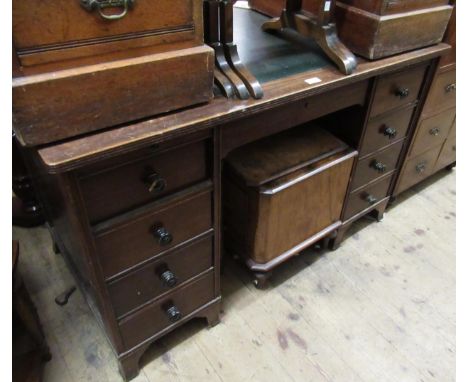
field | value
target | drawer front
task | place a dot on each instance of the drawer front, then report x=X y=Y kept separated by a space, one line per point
x=418 y=169
x=167 y=312
x=432 y=132
x=443 y=93
x=376 y=166
x=397 y=89
x=122 y=188
x=385 y=130
x=362 y=199
x=68 y=22
x=385 y=7
x=142 y=238
x=448 y=154
x=160 y=276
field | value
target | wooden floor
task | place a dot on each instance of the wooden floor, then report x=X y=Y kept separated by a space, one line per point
x=381 y=308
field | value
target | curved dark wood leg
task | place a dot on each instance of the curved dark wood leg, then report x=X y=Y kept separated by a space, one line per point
x=129 y=365
x=223 y=83
x=333 y=47
x=335 y=242
x=261 y=279
x=212 y=315
x=379 y=212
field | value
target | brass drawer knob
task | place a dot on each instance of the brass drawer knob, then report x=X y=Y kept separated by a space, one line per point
x=420 y=168
x=155 y=182
x=402 y=92
x=450 y=88
x=379 y=166
x=168 y=278
x=390 y=132
x=434 y=132
x=173 y=313
x=100 y=5
x=163 y=236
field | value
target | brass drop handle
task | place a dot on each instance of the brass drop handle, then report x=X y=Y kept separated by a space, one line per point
x=155 y=182
x=173 y=313
x=91 y=5
x=450 y=88
x=168 y=278
x=371 y=199
x=390 y=132
x=379 y=166
x=163 y=236
x=435 y=131
x=420 y=168
x=402 y=92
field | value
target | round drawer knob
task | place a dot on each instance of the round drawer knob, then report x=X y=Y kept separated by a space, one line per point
x=402 y=92
x=420 y=168
x=379 y=166
x=173 y=314
x=168 y=278
x=450 y=88
x=163 y=236
x=155 y=182
x=434 y=132
x=371 y=199
x=390 y=132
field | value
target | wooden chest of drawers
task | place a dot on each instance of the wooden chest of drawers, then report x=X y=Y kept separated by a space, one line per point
x=152 y=60
x=282 y=194
x=146 y=254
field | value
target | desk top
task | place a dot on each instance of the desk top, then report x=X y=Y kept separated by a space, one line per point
x=288 y=71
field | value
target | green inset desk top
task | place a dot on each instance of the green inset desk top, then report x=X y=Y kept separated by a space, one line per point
x=273 y=56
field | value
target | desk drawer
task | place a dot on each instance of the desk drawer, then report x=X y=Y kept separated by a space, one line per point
x=47 y=31
x=167 y=311
x=418 y=169
x=161 y=275
x=385 y=130
x=432 y=132
x=443 y=93
x=397 y=89
x=376 y=166
x=448 y=154
x=123 y=187
x=359 y=200
x=127 y=244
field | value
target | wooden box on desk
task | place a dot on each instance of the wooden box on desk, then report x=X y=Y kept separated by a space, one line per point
x=284 y=193
x=76 y=71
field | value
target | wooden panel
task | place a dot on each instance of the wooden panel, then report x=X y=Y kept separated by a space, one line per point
x=283 y=213
x=380 y=131
x=145 y=284
x=417 y=169
x=126 y=185
x=364 y=198
x=129 y=243
x=367 y=169
x=448 y=154
x=99 y=96
x=451 y=38
x=384 y=7
x=397 y=89
x=432 y=132
x=153 y=318
x=375 y=37
x=442 y=94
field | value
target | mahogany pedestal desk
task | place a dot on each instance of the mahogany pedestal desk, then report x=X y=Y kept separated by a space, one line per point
x=135 y=209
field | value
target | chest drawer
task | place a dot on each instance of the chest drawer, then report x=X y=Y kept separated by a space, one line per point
x=397 y=89
x=376 y=165
x=432 y=132
x=448 y=154
x=167 y=311
x=362 y=199
x=418 y=168
x=383 y=131
x=443 y=93
x=49 y=30
x=126 y=244
x=108 y=192
x=161 y=275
